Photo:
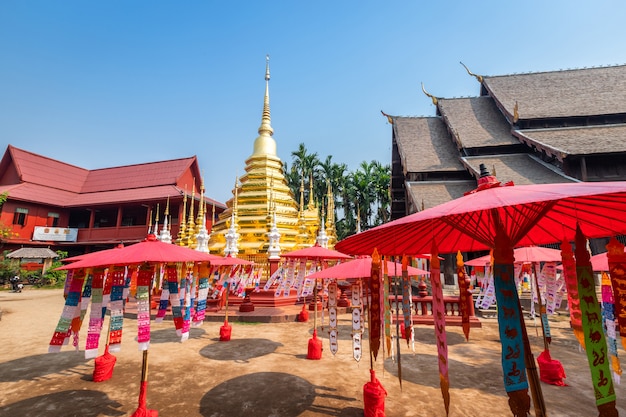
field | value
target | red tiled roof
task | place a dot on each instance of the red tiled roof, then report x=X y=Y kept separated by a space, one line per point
x=36 y=193
x=47 y=181
x=126 y=196
x=136 y=176
x=37 y=169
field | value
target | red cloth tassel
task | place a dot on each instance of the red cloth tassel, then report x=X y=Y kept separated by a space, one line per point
x=142 y=410
x=550 y=370
x=303 y=316
x=374 y=397
x=103 y=366
x=225 y=332
x=315 y=347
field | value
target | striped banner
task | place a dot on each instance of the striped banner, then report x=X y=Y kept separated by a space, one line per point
x=617 y=264
x=116 y=306
x=95 y=315
x=439 y=314
x=144 y=278
x=71 y=310
x=375 y=305
x=595 y=342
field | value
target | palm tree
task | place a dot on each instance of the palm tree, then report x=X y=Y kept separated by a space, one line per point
x=305 y=163
x=381 y=181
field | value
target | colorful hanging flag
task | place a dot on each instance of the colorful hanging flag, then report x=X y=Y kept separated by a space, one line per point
x=595 y=342
x=95 y=315
x=617 y=269
x=439 y=315
x=71 y=310
x=608 y=320
x=406 y=300
x=357 y=324
x=172 y=273
x=333 y=332
x=386 y=307
x=464 y=294
x=573 y=299
x=144 y=278
x=375 y=305
x=116 y=306
x=510 y=326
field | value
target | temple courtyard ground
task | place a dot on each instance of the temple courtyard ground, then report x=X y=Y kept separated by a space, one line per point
x=263 y=370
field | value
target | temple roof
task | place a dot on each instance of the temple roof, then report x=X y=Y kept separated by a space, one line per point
x=566 y=93
x=433 y=193
x=586 y=140
x=47 y=181
x=522 y=169
x=424 y=145
x=476 y=122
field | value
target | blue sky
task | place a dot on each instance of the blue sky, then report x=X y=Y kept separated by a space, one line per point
x=106 y=83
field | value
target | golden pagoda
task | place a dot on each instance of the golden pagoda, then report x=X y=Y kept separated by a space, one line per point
x=263 y=201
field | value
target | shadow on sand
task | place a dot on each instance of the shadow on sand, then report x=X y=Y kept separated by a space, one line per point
x=264 y=394
x=39 y=366
x=85 y=403
x=240 y=350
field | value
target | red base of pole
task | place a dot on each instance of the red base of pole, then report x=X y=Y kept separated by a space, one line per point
x=374 y=397
x=225 y=332
x=315 y=347
x=303 y=316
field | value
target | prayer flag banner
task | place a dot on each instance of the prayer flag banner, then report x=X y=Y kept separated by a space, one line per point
x=439 y=313
x=617 y=264
x=595 y=342
x=95 y=315
x=573 y=299
x=116 y=306
x=70 y=311
x=144 y=278
x=375 y=305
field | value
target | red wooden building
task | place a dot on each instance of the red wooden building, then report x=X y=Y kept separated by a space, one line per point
x=64 y=207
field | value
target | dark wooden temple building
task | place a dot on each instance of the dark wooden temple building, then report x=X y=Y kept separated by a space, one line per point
x=545 y=127
x=534 y=128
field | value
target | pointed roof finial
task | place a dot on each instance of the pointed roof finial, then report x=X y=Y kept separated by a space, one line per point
x=515 y=113
x=389 y=118
x=266 y=127
x=478 y=77
x=433 y=98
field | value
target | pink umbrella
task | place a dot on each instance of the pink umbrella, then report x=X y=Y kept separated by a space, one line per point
x=527 y=254
x=362 y=268
x=315 y=253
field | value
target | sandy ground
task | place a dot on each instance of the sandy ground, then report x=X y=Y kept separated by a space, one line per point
x=263 y=371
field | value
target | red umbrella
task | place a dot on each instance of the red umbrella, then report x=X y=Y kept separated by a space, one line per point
x=530 y=215
x=501 y=217
x=527 y=254
x=362 y=268
x=149 y=250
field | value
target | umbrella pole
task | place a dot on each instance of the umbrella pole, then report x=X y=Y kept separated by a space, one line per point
x=315 y=307
x=144 y=366
x=531 y=369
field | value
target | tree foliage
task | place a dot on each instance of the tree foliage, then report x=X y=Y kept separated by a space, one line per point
x=361 y=196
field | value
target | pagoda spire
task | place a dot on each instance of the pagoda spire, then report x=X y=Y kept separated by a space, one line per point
x=265 y=143
x=156 y=222
x=232 y=237
x=202 y=234
x=165 y=235
x=191 y=224
x=182 y=230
